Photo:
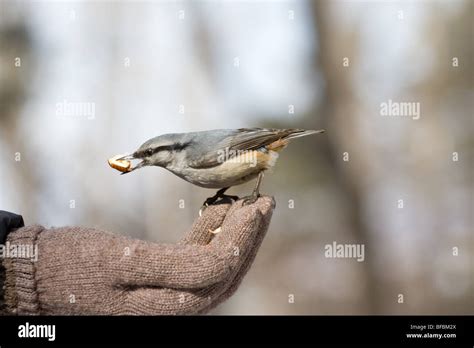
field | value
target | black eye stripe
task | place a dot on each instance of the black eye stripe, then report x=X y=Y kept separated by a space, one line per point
x=163 y=148
x=174 y=147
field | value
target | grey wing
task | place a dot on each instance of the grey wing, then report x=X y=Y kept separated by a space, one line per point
x=208 y=152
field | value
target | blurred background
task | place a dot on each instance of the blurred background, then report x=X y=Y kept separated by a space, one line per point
x=82 y=81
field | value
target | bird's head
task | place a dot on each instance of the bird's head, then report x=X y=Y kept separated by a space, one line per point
x=159 y=151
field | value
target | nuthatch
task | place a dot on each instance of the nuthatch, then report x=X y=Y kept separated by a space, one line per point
x=218 y=158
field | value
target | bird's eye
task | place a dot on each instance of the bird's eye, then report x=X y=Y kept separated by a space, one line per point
x=149 y=152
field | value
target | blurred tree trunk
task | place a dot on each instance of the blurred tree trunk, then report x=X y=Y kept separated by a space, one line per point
x=15 y=70
x=338 y=112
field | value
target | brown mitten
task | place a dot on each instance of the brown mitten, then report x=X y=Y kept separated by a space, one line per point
x=88 y=271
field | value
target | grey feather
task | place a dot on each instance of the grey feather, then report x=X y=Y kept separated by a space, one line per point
x=205 y=154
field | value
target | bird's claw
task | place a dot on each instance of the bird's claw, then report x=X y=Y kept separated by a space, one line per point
x=212 y=200
x=250 y=199
x=204 y=206
x=216 y=231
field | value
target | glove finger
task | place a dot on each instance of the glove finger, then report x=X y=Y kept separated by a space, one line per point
x=211 y=219
x=165 y=265
x=235 y=231
x=153 y=301
x=235 y=238
x=178 y=266
x=239 y=274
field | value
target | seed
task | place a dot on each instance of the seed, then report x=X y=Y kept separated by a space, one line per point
x=120 y=165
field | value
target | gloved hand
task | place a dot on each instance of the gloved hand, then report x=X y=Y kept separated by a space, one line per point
x=8 y=222
x=88 y=271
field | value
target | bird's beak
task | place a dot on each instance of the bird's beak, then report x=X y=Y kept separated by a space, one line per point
x=131 y=157
x=126 y=157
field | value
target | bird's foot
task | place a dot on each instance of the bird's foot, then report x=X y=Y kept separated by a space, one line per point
x=211 y=200
x=250 y=199
x=231 y=197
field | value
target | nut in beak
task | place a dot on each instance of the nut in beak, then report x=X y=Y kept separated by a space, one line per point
x=121 y=163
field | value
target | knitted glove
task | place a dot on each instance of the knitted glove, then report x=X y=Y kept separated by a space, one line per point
x=88 y=271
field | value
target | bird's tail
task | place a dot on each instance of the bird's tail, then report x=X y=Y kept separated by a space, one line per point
x=296 y=133
x=287 y=135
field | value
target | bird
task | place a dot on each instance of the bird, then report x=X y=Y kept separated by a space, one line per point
x=215 y=159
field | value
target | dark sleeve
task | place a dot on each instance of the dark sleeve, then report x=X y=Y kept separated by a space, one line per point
x=9 y=222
